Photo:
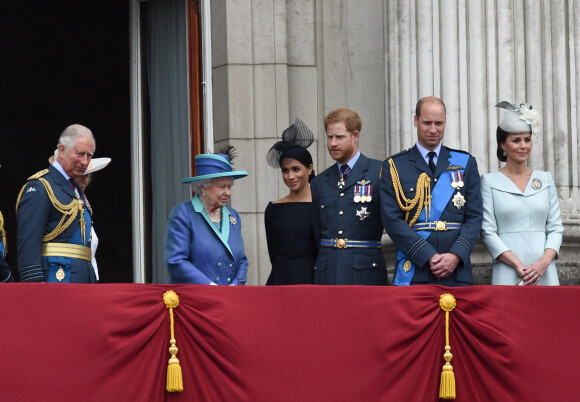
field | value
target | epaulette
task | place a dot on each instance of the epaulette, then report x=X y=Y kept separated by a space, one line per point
x=403 y=152
x=458 y=150
x=38 y=174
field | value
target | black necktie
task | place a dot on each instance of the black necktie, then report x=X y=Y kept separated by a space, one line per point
x=344 y=170
x=431 y=162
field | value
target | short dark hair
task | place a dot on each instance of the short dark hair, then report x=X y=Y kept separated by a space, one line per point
x=301 y=155
x=501 y=136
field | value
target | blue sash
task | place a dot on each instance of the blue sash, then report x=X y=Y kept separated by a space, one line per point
x=55 y=263
x=441 y=194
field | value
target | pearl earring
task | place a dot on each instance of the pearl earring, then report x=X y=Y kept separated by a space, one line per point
x=203 y=194
x=504 y=153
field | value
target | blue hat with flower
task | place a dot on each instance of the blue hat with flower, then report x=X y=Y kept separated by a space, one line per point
x=209 y=166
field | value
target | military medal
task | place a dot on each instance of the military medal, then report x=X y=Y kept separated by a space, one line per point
x=60 y=274
x=453 y=181
x=458 y=200
x=357 y=194
x=536 y=183
x=363 y=213
x=407 y=266
x=341 y=183
x=459 y=179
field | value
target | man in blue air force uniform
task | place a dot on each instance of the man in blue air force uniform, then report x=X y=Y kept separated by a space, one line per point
x=54 y=223
x=347 y=219
x=431 y=204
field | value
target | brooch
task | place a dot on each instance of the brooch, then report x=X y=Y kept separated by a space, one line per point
x=458 y=200
x=363 y=213
x=233 y=220
x=536 y=183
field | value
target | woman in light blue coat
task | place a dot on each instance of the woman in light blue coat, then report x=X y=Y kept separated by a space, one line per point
x=204 y=236
x=522 y=228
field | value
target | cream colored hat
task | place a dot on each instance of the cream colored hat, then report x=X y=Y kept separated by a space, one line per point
x=518 y=120
x=97 y=164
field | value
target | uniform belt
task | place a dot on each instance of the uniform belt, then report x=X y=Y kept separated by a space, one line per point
x=438 y=226
x=345 y=243
x=66 y=250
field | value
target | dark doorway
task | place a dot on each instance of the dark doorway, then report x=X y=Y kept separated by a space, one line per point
x=68 y=62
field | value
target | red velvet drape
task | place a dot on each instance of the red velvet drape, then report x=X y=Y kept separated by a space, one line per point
x=299 y=343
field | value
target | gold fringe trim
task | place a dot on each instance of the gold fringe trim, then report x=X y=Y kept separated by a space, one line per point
x=174 y=377
x=447 y=387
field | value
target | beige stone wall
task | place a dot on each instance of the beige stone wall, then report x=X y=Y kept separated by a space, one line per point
x=274 y=60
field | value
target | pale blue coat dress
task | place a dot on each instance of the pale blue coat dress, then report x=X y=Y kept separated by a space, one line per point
x=526 y=223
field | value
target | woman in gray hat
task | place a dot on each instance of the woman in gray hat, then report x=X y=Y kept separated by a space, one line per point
x=522 y=228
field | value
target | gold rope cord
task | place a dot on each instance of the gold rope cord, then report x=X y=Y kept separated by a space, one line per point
x=422 y=195
x=174 y=381
x=447 y=386
x=71 y=210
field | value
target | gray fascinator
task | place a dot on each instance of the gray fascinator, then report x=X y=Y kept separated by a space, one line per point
x=522 y=119
x=295 y=139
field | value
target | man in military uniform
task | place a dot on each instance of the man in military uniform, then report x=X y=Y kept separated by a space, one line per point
x=54 y=223
x=347 y=218
x=431 y=204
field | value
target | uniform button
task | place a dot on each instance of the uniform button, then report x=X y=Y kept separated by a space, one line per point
x=340 y=213
x=217 y=279
x=322 y=207
x=374 y=264
x=340 y=232
x=315 y=267
x=231 y=265
x=411 y=189
x=342 y=194
x=229 y=280
x=435 y=180
x=219 y=264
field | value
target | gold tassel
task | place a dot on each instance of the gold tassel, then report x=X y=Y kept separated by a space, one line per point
x=447 y=386
x=174 y=378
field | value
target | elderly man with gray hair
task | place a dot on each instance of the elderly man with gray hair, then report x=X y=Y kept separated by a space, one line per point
x=54 y=222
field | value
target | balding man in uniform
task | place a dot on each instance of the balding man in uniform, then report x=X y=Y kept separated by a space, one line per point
x=346 y=199
x=431 y=204
x=54 y=223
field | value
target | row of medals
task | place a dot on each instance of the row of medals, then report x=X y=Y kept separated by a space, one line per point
x=363 y=192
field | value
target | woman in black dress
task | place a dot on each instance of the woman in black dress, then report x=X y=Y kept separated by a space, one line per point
x=289 y=232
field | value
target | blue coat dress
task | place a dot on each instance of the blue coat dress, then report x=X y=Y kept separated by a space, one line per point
x=338 y=216
x=197 y=252
x=410 y=164
x=526 y=223
x=37 y=217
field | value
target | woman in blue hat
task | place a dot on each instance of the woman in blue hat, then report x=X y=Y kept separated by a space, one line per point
x=204 y=236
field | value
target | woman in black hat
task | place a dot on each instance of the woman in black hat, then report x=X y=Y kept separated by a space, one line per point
x=204 y=236
x=289 y=232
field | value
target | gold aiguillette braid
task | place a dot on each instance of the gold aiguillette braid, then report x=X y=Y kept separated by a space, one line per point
x=422 y=195
x=71 y=210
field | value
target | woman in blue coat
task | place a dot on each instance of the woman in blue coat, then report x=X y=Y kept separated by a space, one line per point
x=522 y=228
x=204 y=236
